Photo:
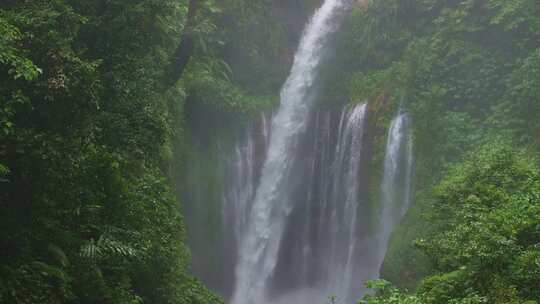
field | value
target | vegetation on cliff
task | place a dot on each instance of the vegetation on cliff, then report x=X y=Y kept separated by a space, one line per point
x=92 y=118
x=468 y=72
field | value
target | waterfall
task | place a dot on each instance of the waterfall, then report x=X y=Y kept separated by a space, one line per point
x=396 y=183
x=241 y=188
x=298 y=220
x=344 y=209
x=260 y=246
x=242 y=178
x=332 y=238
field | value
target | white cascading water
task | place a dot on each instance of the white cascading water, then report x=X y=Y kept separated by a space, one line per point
x=327 y=246
x=397 y=178
x=259 y=247
x=242 y=178
x=343 y=212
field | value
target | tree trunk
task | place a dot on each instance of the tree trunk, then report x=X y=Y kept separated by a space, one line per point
x=185 y=49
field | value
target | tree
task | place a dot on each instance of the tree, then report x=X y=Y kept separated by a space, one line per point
x=185 y=49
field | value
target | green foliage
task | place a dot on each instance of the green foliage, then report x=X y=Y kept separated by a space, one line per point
x=490 y=210
x=210 y=84
x=20 y=67
x=103 y=247
x=3 y=172
x=87 y=136
x=485 y=247
x=519 y=111
x=259 y=38
x=514 y=14
x=370 y=86
x=466 y=71
x=387 y=294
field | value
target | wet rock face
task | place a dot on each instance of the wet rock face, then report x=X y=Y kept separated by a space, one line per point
x=362 y=3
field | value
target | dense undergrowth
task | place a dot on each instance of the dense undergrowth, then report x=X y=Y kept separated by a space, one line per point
x=483 y=237
x=92 y=138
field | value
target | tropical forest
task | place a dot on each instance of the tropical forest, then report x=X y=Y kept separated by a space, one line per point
x=270 y=152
